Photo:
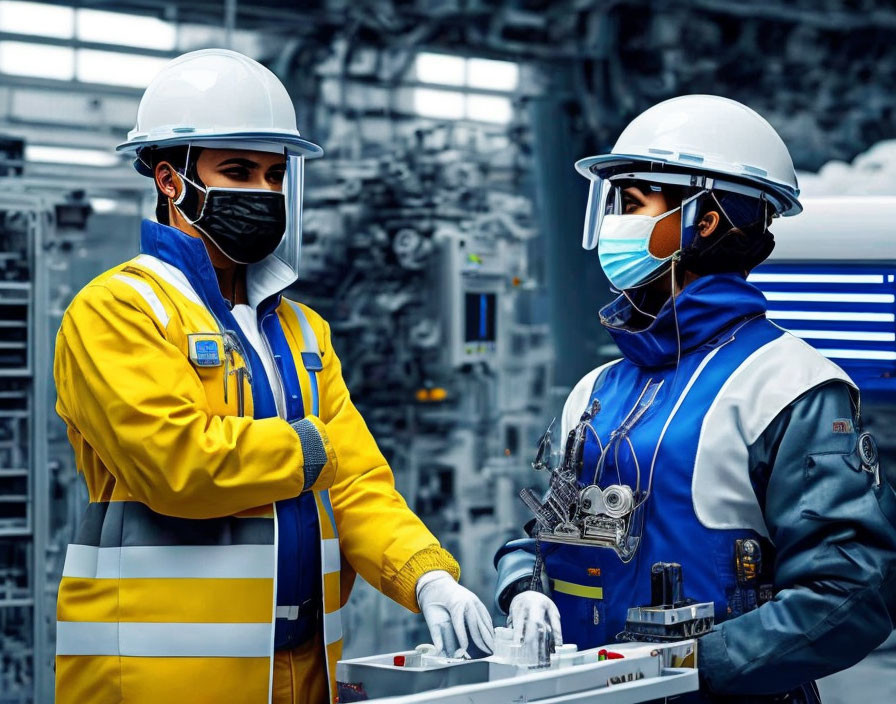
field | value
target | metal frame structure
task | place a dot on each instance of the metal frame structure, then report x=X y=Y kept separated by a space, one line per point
x=35 y=375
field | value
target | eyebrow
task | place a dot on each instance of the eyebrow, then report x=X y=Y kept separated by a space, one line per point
x=237 y=161
x=637 y=195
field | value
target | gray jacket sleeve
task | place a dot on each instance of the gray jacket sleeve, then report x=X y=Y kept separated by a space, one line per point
x=834 y=533
x=515 y=563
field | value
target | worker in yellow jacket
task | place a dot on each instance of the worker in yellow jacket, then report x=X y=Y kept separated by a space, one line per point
x=235 y=490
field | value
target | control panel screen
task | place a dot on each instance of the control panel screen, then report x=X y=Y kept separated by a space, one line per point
x=480 y=317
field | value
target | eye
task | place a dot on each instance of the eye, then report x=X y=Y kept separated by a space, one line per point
x=629 y=203
x=276 y=174
x=236 y=173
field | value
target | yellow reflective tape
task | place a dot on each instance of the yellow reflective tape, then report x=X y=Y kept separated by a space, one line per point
x=196 y=600
x=87 y=599
x=197 y=679
x=96 y=678
x=334 y=655
x=332 y=590
x=166 y=600
x=558 y=585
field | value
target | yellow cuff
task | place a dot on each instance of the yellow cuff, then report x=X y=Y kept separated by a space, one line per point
x=402 y=587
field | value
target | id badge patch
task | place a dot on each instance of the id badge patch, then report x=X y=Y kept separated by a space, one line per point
x=206 y=349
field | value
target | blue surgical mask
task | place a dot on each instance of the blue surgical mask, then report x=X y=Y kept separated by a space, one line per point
x=623 y=249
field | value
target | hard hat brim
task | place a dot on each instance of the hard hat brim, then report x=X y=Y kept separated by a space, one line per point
x=785 y=194
x=292 y=143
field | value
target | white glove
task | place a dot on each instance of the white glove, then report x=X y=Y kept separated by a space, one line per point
x=529 y=609
x=452 y=612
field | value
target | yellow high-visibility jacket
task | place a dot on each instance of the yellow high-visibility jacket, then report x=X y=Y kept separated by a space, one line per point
x=168 y=591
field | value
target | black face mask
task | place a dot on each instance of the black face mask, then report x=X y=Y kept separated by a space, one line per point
x=245 y=224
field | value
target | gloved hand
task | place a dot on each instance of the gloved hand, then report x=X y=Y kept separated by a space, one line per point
x=453 y=614
x=529 y=609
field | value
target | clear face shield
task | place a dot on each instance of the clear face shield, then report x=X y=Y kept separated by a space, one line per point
x=605 y=197
x=289 y=251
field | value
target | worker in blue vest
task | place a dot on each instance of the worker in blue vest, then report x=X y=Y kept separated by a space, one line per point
x=718 y=441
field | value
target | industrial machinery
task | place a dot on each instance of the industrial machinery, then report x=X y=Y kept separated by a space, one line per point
x=420 y=258
x=24 y=493
x=670 y=616
x=619 y=674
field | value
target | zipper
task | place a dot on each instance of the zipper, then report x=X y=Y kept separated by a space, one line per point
x=231 y=345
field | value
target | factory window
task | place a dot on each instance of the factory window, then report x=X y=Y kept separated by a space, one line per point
x=116 y=68
x=69 y=155
x=37 y=18
x=27 y=58
x=38 y=60
x=469 y=78
x=447 y=104
x=129 y=30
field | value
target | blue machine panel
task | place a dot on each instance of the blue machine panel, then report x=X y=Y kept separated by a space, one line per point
x=846 y=311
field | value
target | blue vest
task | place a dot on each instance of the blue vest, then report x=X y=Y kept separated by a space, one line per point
x=298 y=541
x=721 y=322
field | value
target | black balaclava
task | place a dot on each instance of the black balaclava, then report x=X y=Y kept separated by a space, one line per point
x=741 y=242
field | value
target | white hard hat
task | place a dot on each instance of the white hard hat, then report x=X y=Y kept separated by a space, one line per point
x=705 y=134
x=216 y=97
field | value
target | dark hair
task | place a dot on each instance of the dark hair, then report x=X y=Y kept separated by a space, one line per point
x=177 y=157
x=741 y=240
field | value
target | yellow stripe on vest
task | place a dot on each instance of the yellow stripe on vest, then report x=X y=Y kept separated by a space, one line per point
x=558 y=585
x=167 y=600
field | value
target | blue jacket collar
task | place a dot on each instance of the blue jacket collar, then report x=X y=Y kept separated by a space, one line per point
x=704 y=309
x=265 y=279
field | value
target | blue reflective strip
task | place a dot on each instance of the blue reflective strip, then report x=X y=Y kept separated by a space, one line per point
x=310 y=356
x=325 y=499
x=315 y=397
x=483 y=313
x=285 y=361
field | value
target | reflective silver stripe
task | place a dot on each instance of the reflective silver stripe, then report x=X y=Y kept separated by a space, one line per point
x=171 y=275
x=145 y=290
x=579 y=398
x=333 y=627
x=308 y=336
x=290 y=613
x=86 y=638
x=223 y=640
x=186 y=561
x=330 y=551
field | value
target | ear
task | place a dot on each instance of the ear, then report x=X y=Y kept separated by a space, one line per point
x=165 y=181
x=708 y=224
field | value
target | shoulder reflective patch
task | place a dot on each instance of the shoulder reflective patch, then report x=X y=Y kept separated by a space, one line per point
x=842 y=425
x=170 y=275
x=148 y=295
x=765 y=383
x=308 y=337
x=578 y=399
x=206 y=349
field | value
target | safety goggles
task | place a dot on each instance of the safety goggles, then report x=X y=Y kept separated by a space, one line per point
x=605 y=196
